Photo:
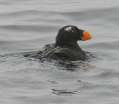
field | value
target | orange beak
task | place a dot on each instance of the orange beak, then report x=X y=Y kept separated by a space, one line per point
x=86 y=36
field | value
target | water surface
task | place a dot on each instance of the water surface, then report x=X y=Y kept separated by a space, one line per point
x=28 y=25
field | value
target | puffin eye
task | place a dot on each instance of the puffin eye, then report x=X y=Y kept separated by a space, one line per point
x=69 y=29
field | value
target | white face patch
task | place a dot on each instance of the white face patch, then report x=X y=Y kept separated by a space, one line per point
x=69 y=29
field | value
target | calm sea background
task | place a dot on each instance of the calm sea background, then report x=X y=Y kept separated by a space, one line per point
x=27 y=25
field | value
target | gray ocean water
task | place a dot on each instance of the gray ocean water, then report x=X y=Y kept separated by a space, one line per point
x=27 y=25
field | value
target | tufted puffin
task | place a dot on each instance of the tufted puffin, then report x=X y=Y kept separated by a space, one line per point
x=65 y=46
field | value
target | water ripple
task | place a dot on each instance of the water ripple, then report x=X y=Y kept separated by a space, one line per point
x=36 y=28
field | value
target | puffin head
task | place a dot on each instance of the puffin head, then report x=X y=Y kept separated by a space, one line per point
x=70 y=35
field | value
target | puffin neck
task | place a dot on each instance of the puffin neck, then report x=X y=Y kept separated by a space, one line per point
x=71 y=45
